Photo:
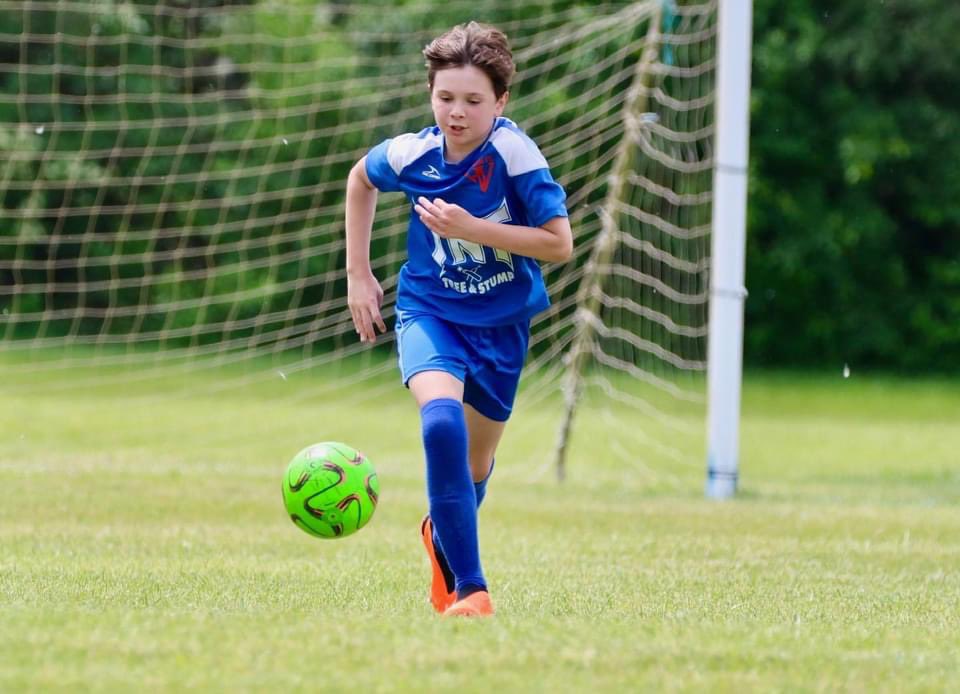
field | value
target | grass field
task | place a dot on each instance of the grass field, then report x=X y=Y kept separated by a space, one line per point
x=143 y=547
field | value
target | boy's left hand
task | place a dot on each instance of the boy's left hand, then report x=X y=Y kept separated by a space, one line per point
x=444 y=218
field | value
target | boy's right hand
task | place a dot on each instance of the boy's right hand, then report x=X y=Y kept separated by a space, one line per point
x=364 y=297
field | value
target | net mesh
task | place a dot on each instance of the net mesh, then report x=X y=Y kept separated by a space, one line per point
x=173 y=187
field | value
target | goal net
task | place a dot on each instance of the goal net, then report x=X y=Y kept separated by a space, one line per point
x=173 y=199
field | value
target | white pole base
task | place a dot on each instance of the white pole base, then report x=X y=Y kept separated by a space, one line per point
x=721 y=485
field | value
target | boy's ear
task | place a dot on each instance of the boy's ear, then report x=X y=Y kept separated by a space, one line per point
x=502 y=102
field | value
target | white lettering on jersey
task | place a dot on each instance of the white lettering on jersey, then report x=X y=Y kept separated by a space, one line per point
x=501 y=215
x=461 y=249
x=438 y=254
x=478 y=287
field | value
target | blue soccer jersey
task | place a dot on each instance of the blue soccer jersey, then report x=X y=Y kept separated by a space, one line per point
x=505 y=180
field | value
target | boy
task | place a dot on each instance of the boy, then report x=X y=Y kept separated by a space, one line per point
x=484 y=209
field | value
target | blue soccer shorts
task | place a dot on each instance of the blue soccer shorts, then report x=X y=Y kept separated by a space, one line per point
x=487 y=360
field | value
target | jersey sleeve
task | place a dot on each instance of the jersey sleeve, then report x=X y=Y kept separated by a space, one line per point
x=542 y=196
x=379 y=170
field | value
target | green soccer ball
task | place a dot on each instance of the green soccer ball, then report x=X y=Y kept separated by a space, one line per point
x=330 y=490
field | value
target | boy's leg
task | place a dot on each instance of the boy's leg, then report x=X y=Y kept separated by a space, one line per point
x=483 y=435
x=450 y=490
x=432 y=366
x=489 y=392
x=480 y=487
x=435 y=359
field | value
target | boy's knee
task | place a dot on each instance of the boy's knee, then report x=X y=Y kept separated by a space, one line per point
x=442 y=418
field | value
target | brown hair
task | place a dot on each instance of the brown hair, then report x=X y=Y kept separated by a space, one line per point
x=480 y=45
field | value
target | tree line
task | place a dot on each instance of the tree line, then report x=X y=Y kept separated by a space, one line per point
x=854 y=193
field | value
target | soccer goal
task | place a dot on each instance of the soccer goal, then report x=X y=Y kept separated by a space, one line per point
x=173 y=187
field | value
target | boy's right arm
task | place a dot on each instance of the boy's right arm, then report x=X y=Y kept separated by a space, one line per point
x=364 y=293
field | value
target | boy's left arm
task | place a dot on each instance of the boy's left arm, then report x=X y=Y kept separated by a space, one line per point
x=552 y=241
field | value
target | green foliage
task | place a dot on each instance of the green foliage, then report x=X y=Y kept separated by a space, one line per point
x=853 y=246
x=854 y=225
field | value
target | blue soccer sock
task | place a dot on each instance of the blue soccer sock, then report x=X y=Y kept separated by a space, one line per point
x=480 y=489
x=450 y=491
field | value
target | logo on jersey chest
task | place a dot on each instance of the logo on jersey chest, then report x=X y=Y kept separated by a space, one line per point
x=481 y=172
x=466 y=267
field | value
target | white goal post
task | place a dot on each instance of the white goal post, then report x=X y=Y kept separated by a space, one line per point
x=727 y=290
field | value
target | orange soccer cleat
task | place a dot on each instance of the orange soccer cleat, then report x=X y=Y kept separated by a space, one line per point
x=474 y=605
x=442 y=593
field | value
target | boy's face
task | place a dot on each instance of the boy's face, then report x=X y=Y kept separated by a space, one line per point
x=464 y=105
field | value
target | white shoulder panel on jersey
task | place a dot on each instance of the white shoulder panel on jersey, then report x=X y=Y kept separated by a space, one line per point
x=405 y=149
x=518 y=151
